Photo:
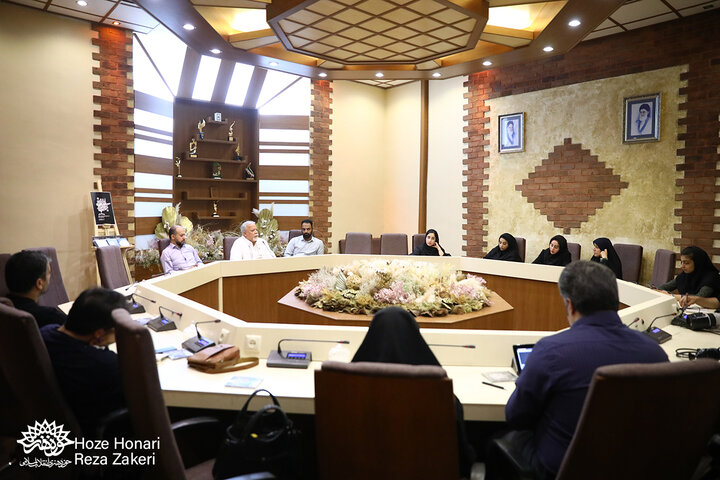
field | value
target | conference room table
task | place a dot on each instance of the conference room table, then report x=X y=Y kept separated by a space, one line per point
x=244 y=296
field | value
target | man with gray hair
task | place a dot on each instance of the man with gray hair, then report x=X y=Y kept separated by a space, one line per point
x=549 y=393
x=250 y=246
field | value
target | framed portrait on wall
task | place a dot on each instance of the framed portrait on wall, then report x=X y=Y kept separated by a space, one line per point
x=511 y=132
x=641 y=120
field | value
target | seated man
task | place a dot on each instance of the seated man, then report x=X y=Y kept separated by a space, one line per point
x=178 y=255
x=550 y=391
x=305 y=245
x=250 y=246
x=27 y=275
x=87 y=371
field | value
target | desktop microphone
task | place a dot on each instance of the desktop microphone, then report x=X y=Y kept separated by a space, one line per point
x=196 y=344
x=449 y=345
x=135 y=307
x=658 y=334
x=294 y=359
x=162 y=323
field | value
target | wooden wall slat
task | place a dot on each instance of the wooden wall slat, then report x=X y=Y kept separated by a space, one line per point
x=146 y=164
x=146 y=225
x=289 y=122
x=271 y=172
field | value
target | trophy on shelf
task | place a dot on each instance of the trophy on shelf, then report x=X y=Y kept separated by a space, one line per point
x=177 y=164
x=215 y=209
x=217 y=117
x=249 y=174
x=193 y=148
x=212 y=192
x=201 y=125
x=237 y=156
x=230 y=133
x=217 y=171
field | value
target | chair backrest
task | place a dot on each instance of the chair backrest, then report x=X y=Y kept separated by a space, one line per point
x=227 y=246
x=56 y=293
x=574 y=249
x=393 y=244
x=294 y=233
x=418 y=239
x=162 y=244
x=111 y=266
x=143 y=395
x=28 y=373
x=358 y=243
x=521 y=247
x=3 y=286
x=664 y=266
x=621 y=427
x=631 y=258
x=380 y=420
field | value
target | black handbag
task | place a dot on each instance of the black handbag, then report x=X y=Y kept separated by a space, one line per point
x=264 y=441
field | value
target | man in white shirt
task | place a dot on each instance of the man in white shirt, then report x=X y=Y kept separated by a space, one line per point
x=249 y=246
x=306 y=244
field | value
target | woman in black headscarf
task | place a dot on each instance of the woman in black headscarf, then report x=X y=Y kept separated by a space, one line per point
x=506 y=249
x=556 y=254
x=431 y=247
x=394 y=337
x=604 y=253
x=699 y=276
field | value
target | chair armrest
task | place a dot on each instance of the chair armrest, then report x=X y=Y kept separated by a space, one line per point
x=198 y=439
x=255 y=476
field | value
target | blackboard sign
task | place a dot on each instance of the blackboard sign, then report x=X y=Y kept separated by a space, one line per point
x=102 y=208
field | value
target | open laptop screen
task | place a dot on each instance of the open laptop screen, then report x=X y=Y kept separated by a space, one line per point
x=520 y=354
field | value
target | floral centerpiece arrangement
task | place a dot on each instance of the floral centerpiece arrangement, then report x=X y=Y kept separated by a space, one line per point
x=420 y=287
x=209 y=244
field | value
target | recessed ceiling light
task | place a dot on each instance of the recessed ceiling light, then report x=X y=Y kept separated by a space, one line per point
x=273 y=64
x=487 y=63
x=322 y=74
x=437 y=74
x=82 y=3
x=379 y=75
x=116 y=22
x=215 y=51
x=548 y=49
x=574 y=22
x=189 y=26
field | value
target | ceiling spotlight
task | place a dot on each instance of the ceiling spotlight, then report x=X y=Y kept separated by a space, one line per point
x=437 y=74
x=322 y=74
x=273 y=64
x=379 y=75
x=116 y=22
x=215 y=51
x=487 y=63
x=189 y=26
x=574 y=22
x=548 y=49
x=82 y=3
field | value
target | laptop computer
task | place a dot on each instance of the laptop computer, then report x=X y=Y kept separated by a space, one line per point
x=520 y=355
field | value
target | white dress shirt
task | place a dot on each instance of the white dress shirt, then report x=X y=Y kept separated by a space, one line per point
x=298 y=246
x=243 y=249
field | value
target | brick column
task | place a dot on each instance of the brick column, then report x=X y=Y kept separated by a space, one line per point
x=320 y=163
x=114 y=108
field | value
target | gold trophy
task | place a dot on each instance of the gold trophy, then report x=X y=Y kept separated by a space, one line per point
x=217 y=171
x=237 y=155
x=201 y=125
x=193 y=148
x=249 y=173
x=215 y=209
x=177 y=164
x=230 y=133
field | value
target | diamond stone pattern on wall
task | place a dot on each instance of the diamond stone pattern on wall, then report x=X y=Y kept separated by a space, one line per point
x=570 y=186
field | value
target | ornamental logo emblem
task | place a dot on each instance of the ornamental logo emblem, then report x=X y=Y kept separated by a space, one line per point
x=102 y=205
x=47 y=437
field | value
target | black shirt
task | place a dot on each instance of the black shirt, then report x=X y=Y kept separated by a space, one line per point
x=43 y=315
x=89 y=377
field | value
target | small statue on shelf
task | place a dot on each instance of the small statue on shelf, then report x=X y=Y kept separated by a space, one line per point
x=215 y=209
x=193 y=148
x=230 y=133
x=201 y=125
x=217 y=171
x=249 y=174
x=177 y=164
x=237 y=156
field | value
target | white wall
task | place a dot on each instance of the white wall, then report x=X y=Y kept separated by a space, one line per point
x=46 y=122
x=445 y=167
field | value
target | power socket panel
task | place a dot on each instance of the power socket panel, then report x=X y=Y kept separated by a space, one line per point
x=253 y=343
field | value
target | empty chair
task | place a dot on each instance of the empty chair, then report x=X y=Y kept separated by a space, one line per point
x=664 y=266
x=521 y=247
x=574 y=249
x=618 y=436
x=56 y=293
x=358 y=243
x=296 y=232
x=393 y=244
x=631 y=258
x=113 y=273
x=401 y=419
x=417 y=239
x=3 y=286
x=227 y=246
